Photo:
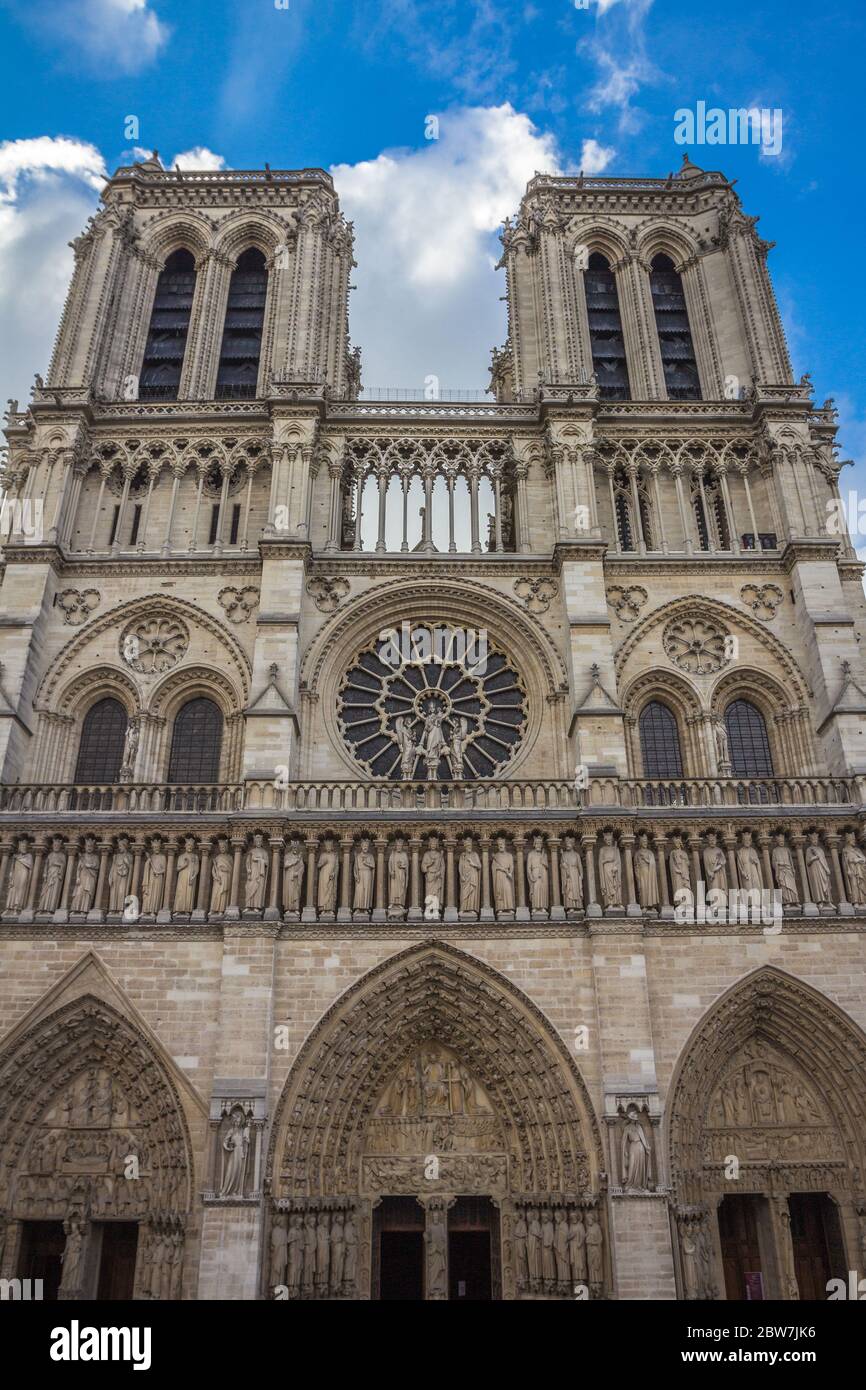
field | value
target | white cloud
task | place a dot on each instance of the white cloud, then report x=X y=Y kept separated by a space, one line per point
x=427 y=298
x=47 y=192
x=113 y=35
x=199 y=157
x=594 y=158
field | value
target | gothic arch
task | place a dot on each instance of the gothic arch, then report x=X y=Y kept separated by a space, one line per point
x=609 y=240
x=188 y=230
x=246 y=228
x=480 y=607
x=433 y=991
x=661 y=238
x=684 y=702
x=174 y=691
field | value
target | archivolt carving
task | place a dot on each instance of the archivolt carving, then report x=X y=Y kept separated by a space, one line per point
x=776 y=1072
x=512 y=1061
x=93 y=684
x=189 y=681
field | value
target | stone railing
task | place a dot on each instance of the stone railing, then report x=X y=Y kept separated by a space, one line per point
x=125 y=797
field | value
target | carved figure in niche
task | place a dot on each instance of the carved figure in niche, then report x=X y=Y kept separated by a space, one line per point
x=221 y=877
x=293 y=877
x=459 y=731
x=577 y=1246
x=610 y=871
x=398 y=877
x=560 y=1246
x=714 y=865
x=437 y=1097
x=470 y=877
x=854 y=861
x=646 y=874
x=187 y=878
x=634 y=1153
x=256 y=866
x=279 y=1248
x=408 y=748
x=323 y=1253
x=235 y=1147
x=722 y=745
x=295 y=1244
x=548 y=1258
x=338 y=1252
x=350 y=1241
x=406 y=1090
x=502 y=866
x=690 y=1263
x=130 y=749
x=328 y=869
x=594 y=1252
x=749 y=865
x=365 y=876
x=571 y=873
x=763 y=1100
x=119 y=875
x=537 y=873
x=436 y=1241
x=783 y=871
x=308 y=1274
x=86 y=876
x=433 y=869
x=153 y=882
x=521 y=1265
x=432 y=743
x=818 y=871
x=52 y=879
x=19 y=877
x=678 y=864
x=73 y=1226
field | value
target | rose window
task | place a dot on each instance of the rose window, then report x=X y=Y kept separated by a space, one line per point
x=431 y=702
x=696 y=646
x=154 y=645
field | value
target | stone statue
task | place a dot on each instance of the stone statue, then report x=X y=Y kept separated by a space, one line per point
x=350 y=1240
x=119 y=875
x=19 y=877
x=432 y=743
x=256 y=865
x=279 y=1251
x=678 y=865
x=691 y=1278
x=645 y=872
x=153 y=882
x=749 y=865
x=433 y=869
x=338 y=1252
x=818 y=871
x=130 y=749
x=577 y=1247
x=470 y=877
x=327 y=885
x=714 y=865
x=548 y=1258
x=84 y=891
x=571 y=873
x=187 y=878
x=293 y=877
x=533 y=1247
x=408 y=748
x=854 y=861
x=295 y=1243
x=722 y=745
x=783 y=871
x=308 y=1272
x=235 y=1148
x=323 y=1253
x=221 y=877
x=610 y=872
x=502 y=865
x=459 y=730
x=537 y=874
x=398 y=877
x=594 y=1252
x=560 y=1247
x=52 y=878
x=634 y=1153
x=364 y=873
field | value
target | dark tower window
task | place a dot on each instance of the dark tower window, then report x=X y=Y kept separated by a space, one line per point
x=623 y=510
x=100 y=752
x=747 y=735
x=195 y=743
x=605 y=330
x=242 y=333
x=659 y=741
x=675 y=335
x=169 y=325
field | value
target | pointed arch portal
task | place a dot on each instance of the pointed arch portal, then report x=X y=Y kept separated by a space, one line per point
x=434 y=1096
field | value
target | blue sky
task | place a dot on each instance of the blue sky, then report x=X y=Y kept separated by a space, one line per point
x=518 y=85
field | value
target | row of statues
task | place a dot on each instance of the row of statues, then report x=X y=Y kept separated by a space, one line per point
x=314 y=1254
x=182 y=879
x=558 y=1251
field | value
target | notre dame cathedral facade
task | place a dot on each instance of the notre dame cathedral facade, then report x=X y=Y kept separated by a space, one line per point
x=430 y=830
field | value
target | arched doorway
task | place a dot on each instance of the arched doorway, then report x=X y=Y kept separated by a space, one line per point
x=95 y=1159
x=434 y=1123
x=767 y=1144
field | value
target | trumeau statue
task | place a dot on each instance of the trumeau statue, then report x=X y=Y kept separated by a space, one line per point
x=398 y=876
x=153 y=882
x=256 y=875
x=119 y=875
x=502 y=866
x=293 y=876
x=187 y=878
x=610 y=872
x=86 y=877
x=470 y=877
x=365 y=876
x=327 y=877
x=53 y=877
x=571 y=873
x=221 y=877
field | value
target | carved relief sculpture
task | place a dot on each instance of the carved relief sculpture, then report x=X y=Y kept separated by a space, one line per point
x=854 y=861
x=365 y=876
x=470 y=878
x=537 y=872
x=678 y=866
x=502 y=866
x=153 y=882
x=256 y=875
x=221 y=877
x=328 y=868
x=714 y=865
x=19 y=877
x=610 y=871
x=818 y=871
x=398 y=878
x=86 y=876
x=293 y=877
x=748 y=865
x=646 y=875
x=119 y=875
x=52 y=878
x=571 y=873
x=433 y=869
x=187 y=878
x=783 y=872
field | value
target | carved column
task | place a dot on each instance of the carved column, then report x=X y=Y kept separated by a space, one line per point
x=204 y=883
x=841 y=895
x=632 y=907
x=309 y=912
x=415 y=911
x=522 y=913
x=436 y=1247
x=487 y=914
x=96 y=914
x=62 y=913
x=809 y=908
x=781 y=1220
x=450 y=913
x=234 y=907
x=272 y=911
x=38 y=855
x=164 y=915
x=662 y=869
x=344 y=913
x=593 y=906
x=379 y=912
x=557 y=911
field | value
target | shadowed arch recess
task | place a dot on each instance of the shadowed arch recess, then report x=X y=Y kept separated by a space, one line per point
x=434 y=992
